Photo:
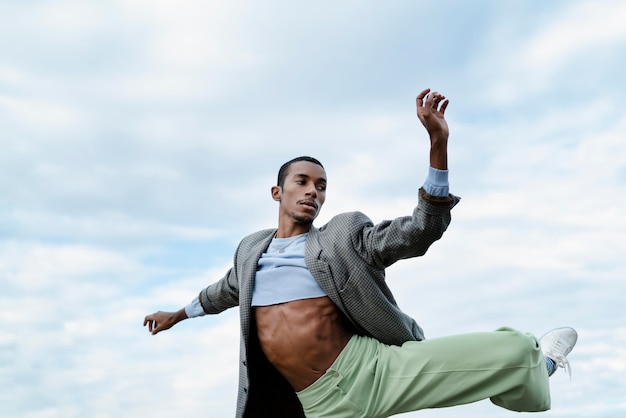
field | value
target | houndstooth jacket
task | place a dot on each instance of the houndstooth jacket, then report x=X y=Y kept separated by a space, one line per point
x=347 y=257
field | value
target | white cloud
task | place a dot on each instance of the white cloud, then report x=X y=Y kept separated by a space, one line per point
x=548 y=47
x=574 y=32
x=40 y=115
x=113 y=225
x=28 y=264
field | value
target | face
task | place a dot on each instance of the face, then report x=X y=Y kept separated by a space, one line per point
x=303 y=193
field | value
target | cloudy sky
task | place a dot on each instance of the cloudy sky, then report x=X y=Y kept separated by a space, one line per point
x=139 y=141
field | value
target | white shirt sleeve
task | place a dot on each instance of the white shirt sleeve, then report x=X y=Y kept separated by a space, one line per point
x=194 y=309
x=437 y=182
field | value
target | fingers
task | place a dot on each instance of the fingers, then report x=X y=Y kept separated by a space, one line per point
x=152 y=324
x=159 y=321
x=420 y=97
x=433 y=100
x=444 y=106
x=427 y=101
x=153 y=327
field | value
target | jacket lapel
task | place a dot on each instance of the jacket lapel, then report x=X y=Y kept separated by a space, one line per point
x=317 y=266
x=249 y=268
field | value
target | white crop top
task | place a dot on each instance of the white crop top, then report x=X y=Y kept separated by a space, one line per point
x=282 y=274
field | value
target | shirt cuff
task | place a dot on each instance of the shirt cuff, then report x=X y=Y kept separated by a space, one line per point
x=194 y=309
x=437 y=182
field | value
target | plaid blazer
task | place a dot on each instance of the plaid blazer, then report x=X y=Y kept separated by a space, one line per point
x=347 y=257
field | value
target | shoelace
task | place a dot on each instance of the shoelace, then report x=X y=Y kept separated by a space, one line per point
x=560 y=360
x=564 y=363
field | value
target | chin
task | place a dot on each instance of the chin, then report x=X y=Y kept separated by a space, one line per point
x=302 y=220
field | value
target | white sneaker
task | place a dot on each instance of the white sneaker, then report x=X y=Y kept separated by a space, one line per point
x=557 y=344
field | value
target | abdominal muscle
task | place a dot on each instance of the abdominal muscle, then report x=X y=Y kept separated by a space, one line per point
x=302 y=338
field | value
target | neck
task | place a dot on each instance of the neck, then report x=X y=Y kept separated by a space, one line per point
x=292 y=230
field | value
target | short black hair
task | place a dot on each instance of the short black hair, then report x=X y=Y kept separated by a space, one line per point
x=282 y=173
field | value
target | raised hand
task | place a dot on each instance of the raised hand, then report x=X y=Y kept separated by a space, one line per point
x=431 y=110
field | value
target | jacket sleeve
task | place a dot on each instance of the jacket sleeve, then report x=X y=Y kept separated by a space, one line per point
x=223 y=294
x=409 y=236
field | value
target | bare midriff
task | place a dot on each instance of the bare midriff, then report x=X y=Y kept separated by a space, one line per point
x=302 y=338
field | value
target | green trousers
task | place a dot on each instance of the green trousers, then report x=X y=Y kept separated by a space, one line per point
x=371 y=379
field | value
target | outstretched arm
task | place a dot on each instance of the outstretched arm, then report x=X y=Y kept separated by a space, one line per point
x=431 y=109
x=160 y=321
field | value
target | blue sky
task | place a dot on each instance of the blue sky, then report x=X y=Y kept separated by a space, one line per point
x=140 y=140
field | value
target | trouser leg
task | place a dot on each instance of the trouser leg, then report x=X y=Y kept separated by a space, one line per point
x=506 y=366
x=376 y=380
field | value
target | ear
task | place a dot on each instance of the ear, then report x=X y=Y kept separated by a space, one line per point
x=277 y=192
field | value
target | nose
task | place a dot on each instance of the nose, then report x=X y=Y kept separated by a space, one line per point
x=312 y=190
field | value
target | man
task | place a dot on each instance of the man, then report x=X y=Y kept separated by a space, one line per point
x=322 y=335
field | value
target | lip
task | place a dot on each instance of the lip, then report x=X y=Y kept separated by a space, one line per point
x=310 y=204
